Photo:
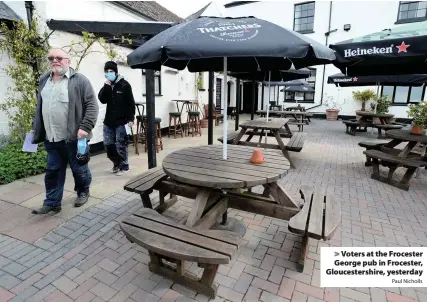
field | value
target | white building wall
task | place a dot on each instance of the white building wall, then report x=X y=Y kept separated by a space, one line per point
x=364 y=17
x=175 y=85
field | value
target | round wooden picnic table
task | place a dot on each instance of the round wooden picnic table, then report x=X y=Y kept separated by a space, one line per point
x=405 y=135
x=203 y=166
x=206 y=171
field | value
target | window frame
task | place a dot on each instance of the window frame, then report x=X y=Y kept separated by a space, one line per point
x=307 y=31
x=304 y=101
x=408 y=102
x=157 y=74
x=409 y=20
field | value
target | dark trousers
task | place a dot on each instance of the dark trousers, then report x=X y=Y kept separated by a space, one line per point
x=59 y=155
x=116 y=145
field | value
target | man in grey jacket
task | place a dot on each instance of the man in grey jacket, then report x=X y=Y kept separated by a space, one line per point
x=67 y=110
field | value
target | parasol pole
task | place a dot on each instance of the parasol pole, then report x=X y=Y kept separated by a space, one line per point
x=269 y=97
x=225 y=124
x=375 y=110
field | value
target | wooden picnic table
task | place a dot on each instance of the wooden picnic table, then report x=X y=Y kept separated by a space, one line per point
x=204 y=168
x=393 y=158
x=300 y=117
x=275 y=127
x=201 y=173
x=367 y=119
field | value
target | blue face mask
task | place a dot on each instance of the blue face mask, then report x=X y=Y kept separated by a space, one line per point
x=111 y=76
x=81 y=146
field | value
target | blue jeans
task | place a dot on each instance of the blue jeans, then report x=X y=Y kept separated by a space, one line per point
x=59 y=155
x=116 y=145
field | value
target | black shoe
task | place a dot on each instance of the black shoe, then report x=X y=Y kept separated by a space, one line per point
x=46 y=209
x=81 y=199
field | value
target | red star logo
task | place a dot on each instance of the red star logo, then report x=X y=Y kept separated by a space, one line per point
x=402 y=47
x=355 y=79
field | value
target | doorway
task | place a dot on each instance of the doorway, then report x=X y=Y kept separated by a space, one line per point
x=247 y=99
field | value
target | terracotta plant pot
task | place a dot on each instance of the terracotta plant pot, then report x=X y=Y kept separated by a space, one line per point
x=332 y=114
x=417 y=130
x=257 y=157
x=204 y=123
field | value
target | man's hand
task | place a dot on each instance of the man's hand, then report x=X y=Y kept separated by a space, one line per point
x=81 y=134
x=108 y=83
x=130 y=124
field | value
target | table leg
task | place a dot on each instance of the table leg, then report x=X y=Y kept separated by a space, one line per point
x=239 y=136
x=283 y=147
x=198 y=207
x=280 y=195
x=423 y=153
x=408 y=148
x=393 y=143
x=288 y=130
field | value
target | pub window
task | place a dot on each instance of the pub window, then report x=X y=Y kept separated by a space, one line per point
x=403 y=95
x=304 y=17
x=412 y=11
x=157 y=82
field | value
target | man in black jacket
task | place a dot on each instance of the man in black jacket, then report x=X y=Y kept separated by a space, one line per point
x=117 y=94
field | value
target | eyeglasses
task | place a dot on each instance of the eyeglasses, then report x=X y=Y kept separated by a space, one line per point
x=59 y=59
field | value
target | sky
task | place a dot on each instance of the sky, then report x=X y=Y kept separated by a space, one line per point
x=184 y=8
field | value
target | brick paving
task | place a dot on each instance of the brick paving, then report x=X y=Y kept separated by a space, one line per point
x=87 y=258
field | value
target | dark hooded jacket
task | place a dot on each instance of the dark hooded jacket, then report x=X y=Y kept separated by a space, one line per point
x=120 y=102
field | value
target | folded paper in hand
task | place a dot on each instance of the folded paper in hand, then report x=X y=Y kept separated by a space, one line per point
x=128 y=130
x=28 y=145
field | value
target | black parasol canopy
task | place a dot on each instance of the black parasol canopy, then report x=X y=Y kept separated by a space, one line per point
x=249 y=44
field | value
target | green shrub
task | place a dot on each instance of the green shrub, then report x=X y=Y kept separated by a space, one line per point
x=15 y=164
x=4 y=141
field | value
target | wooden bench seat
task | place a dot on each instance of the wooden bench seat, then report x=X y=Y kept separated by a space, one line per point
x=296 y=142
x=393 y=161
x=351 y=126
x=299 y=124
x=372 y=145
x=144 y=184
x=386 y=127
x=171 y=244
x=318 y=218
x=230 y=137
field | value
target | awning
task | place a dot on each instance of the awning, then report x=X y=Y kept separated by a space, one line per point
x=342 y=80
x=138 y=32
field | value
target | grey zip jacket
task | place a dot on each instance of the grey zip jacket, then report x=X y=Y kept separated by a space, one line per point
x=83 y=108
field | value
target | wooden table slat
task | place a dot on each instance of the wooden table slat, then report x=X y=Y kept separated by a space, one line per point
x=171 y=247
x=248 y=180
x=214 y=166
x=224 y=236
x=262 y=123
x=315 y=225
x=181 y=235
x=144 y=180
x=273 y=167
x=237 y=152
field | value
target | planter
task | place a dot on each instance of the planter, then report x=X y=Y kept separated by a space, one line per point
x=204 y=123
x=417 y=130
x=332 y=114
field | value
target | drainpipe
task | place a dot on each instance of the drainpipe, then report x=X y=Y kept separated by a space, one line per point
x=326 y=43
x=29 y=8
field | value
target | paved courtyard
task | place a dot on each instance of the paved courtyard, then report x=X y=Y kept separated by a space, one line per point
x=81 y=254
